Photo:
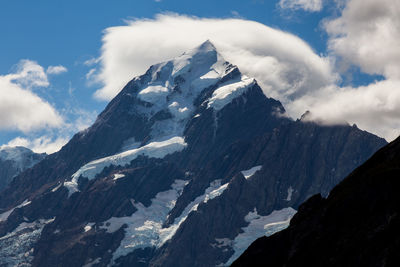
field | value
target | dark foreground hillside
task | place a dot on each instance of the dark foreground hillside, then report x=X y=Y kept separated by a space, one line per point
x=357 y=225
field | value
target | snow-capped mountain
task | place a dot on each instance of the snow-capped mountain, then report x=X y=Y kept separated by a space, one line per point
x=356 y=225
x=14 y=160
x=187 y=165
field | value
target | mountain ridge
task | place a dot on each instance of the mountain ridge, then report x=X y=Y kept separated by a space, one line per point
x=228 y=127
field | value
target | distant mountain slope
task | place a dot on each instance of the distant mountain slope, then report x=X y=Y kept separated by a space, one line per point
x=356 y=225
x=187 y=165
x=14 y=160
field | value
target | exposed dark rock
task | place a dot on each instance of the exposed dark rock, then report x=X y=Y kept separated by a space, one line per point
x=356 y=225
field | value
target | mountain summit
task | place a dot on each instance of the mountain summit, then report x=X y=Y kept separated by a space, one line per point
x=187 y=165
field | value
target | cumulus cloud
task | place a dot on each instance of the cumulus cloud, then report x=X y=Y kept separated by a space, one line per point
x=56 y=69
x=367 y=34
x=283 y=64
x=307 y=5
x=27 y=74
x=52 y=140
x=20 y=108
x=375 y=107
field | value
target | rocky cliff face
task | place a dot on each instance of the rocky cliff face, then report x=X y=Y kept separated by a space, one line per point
x=188 y=165
x=14 y=160
x=356 y=225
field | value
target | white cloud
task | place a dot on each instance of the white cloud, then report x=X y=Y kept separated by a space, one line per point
x=307 y=5
x=90 y=74
x=367 y=34
x=27 y=74
x=41 y=127
x=56 y=69
x=91 y=61
x=44 y=144
x=375 y=107
x=50 y=141
x=20 y=108
x=283 y=64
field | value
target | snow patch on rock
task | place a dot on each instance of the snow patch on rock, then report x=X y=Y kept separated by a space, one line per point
x=118 y=176
x=225 y=94
x=4 y=216
x=153 y=93
x=16 y=248
x=248 y=173
x=88 y=227
x=151 y=150
x=144 y=227
x=289 y=193
x=214 y=190
x=92 y=263
x=259 y=226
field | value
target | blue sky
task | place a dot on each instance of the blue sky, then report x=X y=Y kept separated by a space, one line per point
x=69 y=33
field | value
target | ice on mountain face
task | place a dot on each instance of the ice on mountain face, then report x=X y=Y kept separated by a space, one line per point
x=4 y=216
x=222 y=243
x=88 y=227
x=248 y=173
x=289 y=194
x=174 y=86
x=144 y=227
x=151 y=150
x=92 y=263
x=56 y=188
x=214 y=190
x=16 y=248
x=118 y=176
x=259 y=226
x=225 y=94
x=153 y=94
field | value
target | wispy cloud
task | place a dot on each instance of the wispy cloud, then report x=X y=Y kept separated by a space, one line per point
x=91 y=61
x=56 y=70
x=307 y=5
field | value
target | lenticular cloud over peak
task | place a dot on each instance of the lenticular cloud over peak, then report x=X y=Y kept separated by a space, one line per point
x=282 y=63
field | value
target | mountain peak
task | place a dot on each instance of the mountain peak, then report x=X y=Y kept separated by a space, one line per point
x=171 y=88
x=204 y=48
